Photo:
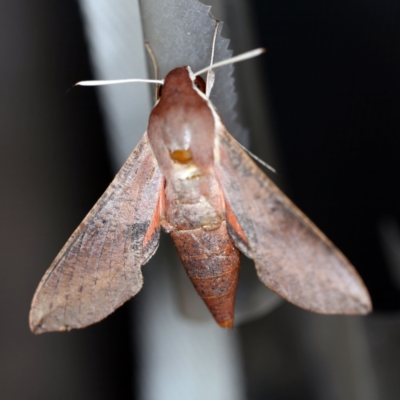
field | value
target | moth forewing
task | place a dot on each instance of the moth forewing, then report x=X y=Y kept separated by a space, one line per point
x=292 y=256
x=99 y=267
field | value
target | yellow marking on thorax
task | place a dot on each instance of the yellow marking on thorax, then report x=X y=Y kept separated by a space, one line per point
x=181 y=156
x=184 y=166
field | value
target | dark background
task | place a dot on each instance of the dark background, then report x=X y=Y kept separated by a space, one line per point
x=333 y=71
x=332 y=74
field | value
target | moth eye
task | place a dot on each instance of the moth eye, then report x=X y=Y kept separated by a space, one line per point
x=159 y=91
x=181 y=156
x=200 y=84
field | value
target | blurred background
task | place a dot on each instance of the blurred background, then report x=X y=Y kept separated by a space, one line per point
x=322 y=106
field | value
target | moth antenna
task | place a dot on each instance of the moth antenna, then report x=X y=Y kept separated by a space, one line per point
x=210 y=73
x=153 y=59
x=155 y=66
x=117 y=81
x=238 y=58
x=258 y=159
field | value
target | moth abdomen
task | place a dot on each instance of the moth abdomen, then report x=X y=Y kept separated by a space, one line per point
x=212 y=263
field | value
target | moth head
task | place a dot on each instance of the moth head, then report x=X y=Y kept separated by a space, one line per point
x=181 y=78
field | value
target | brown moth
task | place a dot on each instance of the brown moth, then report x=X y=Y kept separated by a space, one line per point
x=190 y=176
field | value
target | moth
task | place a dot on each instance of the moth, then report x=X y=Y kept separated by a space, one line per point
x=189 y=176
